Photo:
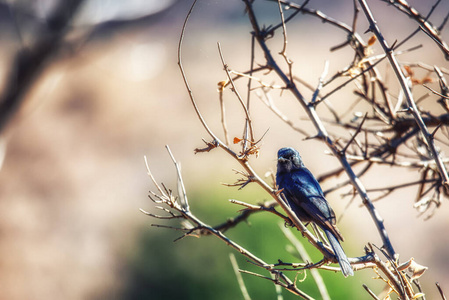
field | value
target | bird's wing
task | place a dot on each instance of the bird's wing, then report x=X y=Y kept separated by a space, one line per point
x=306 y=193
x=323 y=215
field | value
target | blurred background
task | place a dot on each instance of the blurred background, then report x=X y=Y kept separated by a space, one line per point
x=73 y=176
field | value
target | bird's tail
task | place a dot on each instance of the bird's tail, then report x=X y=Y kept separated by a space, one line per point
x=343 y=261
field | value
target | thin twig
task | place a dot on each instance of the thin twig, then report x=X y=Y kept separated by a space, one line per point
x=320 y=82
x=354 y=135
x=305 y=256
x=440 y=290
x=181 y=189
x=370 y=292
x=256 y=208
x=223 y=113
x=234 y=89
x=240 y=281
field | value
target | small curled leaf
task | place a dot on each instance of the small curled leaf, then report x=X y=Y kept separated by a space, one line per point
x=372 y=40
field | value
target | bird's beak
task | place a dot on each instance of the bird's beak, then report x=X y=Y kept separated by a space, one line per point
x=281 y=159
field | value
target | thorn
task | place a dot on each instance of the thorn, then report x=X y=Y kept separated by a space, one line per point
x=368 y=30
x=436 y=129
x=311 y=137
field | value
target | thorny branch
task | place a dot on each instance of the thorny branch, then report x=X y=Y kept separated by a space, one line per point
x=321 y=130
x=408 y=94
x=390 y=129
x=242 y=159
x=423 y=22
x=196 y=227
x=394 y=132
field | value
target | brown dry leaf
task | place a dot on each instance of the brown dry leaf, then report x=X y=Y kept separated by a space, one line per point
x=222 y=84
x=416 y=269
x=237 y=140
x=409 y=71
x=426 y=79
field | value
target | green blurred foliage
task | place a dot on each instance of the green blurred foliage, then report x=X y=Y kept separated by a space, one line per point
x=199 y=268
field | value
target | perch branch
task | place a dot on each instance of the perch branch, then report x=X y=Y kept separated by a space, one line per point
x=321 y=131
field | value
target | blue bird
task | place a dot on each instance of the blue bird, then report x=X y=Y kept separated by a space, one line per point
x=306 y=199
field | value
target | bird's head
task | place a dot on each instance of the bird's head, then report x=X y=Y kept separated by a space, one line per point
x=288 y=160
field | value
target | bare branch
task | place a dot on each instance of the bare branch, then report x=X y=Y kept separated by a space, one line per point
x=407 y=92
x=382 y=133
x=423 y=22
x=321 y=131
x=201 y=228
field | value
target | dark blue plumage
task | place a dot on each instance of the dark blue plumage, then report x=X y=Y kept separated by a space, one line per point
x=306 y=199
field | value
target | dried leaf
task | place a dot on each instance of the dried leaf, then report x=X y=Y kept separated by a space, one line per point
x=409 y=71
x=405 y=265
x=372 y=40
x=426 y=80
x=222 y=84
x=416 y=269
